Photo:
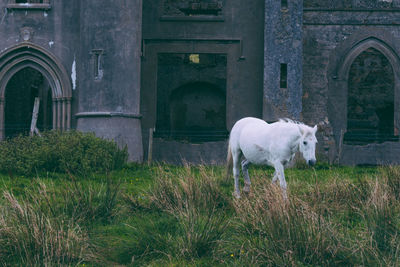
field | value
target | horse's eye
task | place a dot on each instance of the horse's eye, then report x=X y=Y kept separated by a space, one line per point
x=305 y=143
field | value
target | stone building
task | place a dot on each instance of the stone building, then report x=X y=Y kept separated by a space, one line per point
x=186 y=70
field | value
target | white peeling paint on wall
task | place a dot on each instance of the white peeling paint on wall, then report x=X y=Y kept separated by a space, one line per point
x=51 y=43
x=73 y=74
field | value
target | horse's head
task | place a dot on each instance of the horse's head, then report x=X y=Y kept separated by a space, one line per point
x=307 y=143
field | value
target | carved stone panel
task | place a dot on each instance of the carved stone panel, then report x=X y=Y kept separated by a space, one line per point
x=192 y=7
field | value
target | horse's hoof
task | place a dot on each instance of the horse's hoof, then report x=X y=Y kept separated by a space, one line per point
x=236 y=195
x=246 y=189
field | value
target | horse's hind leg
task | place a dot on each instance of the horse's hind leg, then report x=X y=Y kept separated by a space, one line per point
x=236 y=171
x=279 y=170
x=275 y=177
x=245 y=170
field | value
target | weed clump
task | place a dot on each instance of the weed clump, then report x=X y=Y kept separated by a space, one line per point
x=195 y=206
x=278 y=232
x=33 y=234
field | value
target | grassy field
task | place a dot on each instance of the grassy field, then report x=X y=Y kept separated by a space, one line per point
x=163 y=215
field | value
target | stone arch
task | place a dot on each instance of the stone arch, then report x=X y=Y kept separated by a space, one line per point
x=33 y=56
x=21 y=91
x=370 y=99
x=338 y=80
x=196 y=112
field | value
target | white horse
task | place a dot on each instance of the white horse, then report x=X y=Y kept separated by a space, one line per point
x=274 y=144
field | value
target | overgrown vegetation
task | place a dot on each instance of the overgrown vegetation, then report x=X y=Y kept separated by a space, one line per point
x=73 y=151
x=349 y=217
x=196 y=206
x=163 y=215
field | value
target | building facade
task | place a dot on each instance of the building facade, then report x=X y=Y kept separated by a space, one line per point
x=181 y=72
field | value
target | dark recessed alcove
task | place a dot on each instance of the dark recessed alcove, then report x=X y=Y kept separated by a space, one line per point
x=370 y=102
x=20 y=94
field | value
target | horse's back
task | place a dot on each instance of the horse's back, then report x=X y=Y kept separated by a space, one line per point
x=241 y=124
x=263 y=143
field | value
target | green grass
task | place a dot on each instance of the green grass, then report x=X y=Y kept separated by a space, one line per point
x=163 y=215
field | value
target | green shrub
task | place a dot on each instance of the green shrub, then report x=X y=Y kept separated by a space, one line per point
x=73 y=151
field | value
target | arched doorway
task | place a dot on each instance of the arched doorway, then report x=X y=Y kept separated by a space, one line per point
x=370 y=100
x=363 y=109
x=191 y=97
x=21 y=91
x=28 y=71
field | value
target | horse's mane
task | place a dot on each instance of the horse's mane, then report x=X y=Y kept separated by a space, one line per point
x=287 y=120
x=305 y=127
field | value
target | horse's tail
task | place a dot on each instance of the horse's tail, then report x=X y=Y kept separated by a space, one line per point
x=229 y=162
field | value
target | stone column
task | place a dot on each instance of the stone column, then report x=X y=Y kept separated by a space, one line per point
x=109 y=104
x=59 y=114
x=68 y=113
x=283 y=45
x=2 y=125
x=54 y=104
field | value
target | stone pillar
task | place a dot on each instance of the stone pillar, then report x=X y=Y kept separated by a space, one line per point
x=68 y=114
x=59 y=114
x=283 y=45
x=109 y=72
x=2 y=125
x=54 y=104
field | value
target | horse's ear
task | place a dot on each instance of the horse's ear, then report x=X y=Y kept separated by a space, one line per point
x=301 y=130
x=315 y=128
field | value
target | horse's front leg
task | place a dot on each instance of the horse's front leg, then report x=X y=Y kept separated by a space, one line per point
x=245 y=170
x=279 y=170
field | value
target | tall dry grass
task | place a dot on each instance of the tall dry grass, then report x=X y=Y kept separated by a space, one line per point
x=30 y=234
x=49 y=225
x=197 y=207
x=381 y=212
x=272 y=231
x=86 y=203
x=337 y=222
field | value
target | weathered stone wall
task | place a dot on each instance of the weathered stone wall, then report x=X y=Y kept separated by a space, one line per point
x=283 y=45
x=231 y=28
x=349 y=4
x=109 y=63
x=54 y=29
x=90 y=51
x=332 y=39
x=109 y=98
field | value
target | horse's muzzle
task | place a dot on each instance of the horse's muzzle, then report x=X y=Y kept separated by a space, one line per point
x=312 y=162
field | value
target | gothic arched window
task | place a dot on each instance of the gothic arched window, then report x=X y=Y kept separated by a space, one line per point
x=370 y=101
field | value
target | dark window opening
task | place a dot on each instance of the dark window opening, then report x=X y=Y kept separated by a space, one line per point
x=370 y=103
x=29 y=1
x=284 y=4
x=283 y=76
x=191 y=97
x=98 y=63
x=20 y=94
x=29 y=4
